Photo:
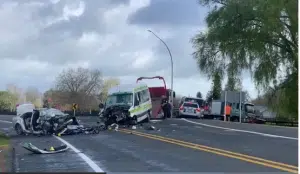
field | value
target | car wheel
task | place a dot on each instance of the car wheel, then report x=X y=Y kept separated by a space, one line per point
x=134 y=121
x=19 y=129
x=148 y=117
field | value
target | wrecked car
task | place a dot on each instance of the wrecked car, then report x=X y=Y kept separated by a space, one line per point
x=41 y=121
x=127 y=104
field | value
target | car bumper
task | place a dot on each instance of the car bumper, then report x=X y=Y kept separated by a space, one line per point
x=199 y=114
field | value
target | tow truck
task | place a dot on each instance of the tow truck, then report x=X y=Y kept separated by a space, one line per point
x=156 y=94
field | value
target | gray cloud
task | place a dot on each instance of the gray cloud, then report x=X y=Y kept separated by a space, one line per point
x=38 y=40
x=170 y=12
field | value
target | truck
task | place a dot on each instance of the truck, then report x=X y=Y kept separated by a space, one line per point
x=127 y=104
x=247 y=111
x=156 y=94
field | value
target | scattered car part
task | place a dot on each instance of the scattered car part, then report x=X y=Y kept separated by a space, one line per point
x=150 y=127
x=52 y=150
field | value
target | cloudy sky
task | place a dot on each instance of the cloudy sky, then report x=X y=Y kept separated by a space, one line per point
x=40 y=38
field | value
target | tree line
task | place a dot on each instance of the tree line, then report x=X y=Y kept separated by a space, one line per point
x=259 y=36
x=83 y=86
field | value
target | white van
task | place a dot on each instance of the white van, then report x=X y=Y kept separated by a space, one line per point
x=134 y=101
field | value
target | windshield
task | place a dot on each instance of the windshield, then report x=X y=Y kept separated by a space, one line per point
x=119 y=99
x=192 y=105
x=199 y=101
x=51 y=112
x=249 y=108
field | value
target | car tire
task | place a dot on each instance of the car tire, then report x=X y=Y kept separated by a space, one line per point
x=134 y=120
x=19 y=129
x=148 y=117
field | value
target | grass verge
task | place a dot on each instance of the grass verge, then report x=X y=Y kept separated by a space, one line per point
x=5 y=156
x=4 y=140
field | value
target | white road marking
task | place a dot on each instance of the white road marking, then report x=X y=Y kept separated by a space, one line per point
x=4 y=121
x=90 y=162
x=155 y=120
x=239 y=130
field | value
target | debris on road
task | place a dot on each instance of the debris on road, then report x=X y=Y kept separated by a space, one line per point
x=52 y=150
x=150 y=127
x=113 y=126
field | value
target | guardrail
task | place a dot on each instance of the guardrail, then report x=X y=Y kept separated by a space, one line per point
x=273 y=121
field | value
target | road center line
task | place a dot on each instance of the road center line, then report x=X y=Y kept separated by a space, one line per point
x=239 y=130
x=243 y=157
x=90 y=162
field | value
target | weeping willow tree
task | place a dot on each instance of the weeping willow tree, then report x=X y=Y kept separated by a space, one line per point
x=256 y=35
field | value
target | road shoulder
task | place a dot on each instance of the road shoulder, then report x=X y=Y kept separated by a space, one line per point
x=25 y=161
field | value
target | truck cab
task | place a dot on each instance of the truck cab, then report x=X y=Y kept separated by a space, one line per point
x=127 y=104
x=247 y=111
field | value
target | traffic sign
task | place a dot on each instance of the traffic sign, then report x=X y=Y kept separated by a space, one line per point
x=75 y=106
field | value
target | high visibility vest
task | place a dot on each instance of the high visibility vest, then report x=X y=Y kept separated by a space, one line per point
x=228 y=110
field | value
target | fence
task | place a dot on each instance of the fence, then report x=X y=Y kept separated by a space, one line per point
x=274 y=121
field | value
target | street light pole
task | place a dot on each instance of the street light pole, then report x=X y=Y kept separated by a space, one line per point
x=171 y=69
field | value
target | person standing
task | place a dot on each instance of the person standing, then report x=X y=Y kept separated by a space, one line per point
x=228 y=112
x=165 y=107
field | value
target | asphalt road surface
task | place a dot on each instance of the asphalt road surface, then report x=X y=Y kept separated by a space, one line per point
x=176 y=145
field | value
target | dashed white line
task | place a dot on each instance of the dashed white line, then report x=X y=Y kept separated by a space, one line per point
x=90 y=162
x=239 y=130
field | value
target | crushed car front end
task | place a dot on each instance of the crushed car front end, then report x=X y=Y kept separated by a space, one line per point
x=118 y=113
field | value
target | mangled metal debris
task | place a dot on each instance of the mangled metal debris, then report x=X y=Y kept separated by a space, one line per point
x=113 y=126
x=150 y=127
x=80 y=129
x=48 y=121
x=133 y=127
x=32 y=148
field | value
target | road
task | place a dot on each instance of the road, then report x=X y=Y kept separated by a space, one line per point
x=180 y=145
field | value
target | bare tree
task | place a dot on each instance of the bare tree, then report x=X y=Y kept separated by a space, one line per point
x=80 y=80
x=79 y=85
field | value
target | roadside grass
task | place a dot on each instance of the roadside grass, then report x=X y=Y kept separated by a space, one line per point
x=5 y=157
x=4 y=140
